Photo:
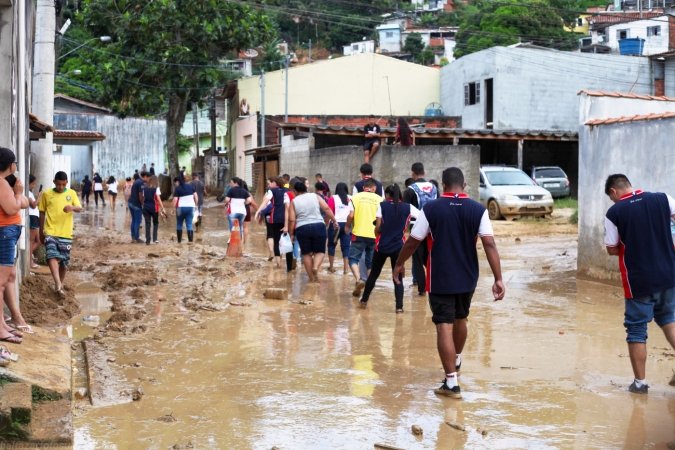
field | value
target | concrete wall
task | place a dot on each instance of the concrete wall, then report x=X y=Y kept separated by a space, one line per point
x=537 y=89
x=7 y=74
x=362 y=84
x=128 y=144
x=391 y=164
x=594 y=107
x=641 y=150
x=638 y=29
x=245 y=126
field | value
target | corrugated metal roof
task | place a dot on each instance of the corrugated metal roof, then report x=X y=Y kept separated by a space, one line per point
x=591 y=93
x=635 y=118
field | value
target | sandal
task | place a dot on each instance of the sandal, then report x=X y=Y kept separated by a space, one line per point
x=6 y=354
x=27 y=329
x=15 y=332
x=12 y=339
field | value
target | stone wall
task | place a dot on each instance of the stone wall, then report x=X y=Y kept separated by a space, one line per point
x=391 y=164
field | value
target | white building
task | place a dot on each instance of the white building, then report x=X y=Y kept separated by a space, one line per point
x=655 y=31
x=359 y=47
x=390 y=37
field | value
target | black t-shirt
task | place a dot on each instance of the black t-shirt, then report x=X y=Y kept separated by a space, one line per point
x=86 y=185
x=374 y=128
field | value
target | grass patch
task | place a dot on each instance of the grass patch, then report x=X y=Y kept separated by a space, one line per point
x=574 y=218
x=567 y=202
x=42 y=395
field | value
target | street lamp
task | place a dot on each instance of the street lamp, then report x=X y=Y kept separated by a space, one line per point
x=104 y=39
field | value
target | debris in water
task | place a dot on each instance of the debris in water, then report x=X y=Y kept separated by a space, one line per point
x=417 y=430
x=276 y=293
x=92 y=321
x=561 y=332
x=387 y=447
x=137 y=394
x=482 y=432
x=240 y=304
x=508 y=368
x=456 y=426
x=167 y=418
x=672 y=380
x=80 y=393
x=518 y=239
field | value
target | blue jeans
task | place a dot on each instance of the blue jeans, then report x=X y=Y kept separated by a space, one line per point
x=136 y=217
x=345 y=240
x=184 y=213
x=362 y=247
x=659 y=306
x=240 y=217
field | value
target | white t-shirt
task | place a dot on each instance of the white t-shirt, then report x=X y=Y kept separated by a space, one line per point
x=32 y=211
x=421 y=228
x=112 y=187
x=341 y=210
x=187 y=201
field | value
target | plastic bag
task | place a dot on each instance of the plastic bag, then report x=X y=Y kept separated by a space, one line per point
x=285 y=244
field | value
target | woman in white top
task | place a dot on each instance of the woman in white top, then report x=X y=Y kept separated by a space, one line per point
x=341 y=205
x=185 y=201
x=112 y=191
x=308 y=226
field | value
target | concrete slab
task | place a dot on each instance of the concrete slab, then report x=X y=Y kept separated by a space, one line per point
x=44 y=361
x=16 y=401
x=106 y=385
x=50 y=424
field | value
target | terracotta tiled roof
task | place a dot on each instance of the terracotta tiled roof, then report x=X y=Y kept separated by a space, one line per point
x=636 y=118
x=79 y=134
x=626 y=95
x=605 y=20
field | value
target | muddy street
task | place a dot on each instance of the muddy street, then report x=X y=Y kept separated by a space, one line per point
x=187 y=353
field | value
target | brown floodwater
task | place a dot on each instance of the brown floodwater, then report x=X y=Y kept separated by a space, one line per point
x=545 y=368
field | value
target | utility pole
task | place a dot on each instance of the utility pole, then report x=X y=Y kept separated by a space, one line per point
x=212 y=116
x=195 y=125
x=262 y=108
x=288 y=59
x=42 y=103
x=310 y=50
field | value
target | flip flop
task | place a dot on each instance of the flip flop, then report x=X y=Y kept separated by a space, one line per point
x=15 y=332
x=6 y=354
x=12 y=339
x=27 y=329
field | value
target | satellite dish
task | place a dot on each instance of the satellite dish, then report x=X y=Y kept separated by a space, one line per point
x=251 y=53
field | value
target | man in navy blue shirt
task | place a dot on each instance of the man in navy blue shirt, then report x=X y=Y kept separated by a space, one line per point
x=637 y=230
x=452 y=222
x=135 y=204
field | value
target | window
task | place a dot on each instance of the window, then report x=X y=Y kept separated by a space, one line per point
x=389 y=34
x=355 y=47
x=472 y=93
x=580 y=22
x=622 y=34
x=654 y=31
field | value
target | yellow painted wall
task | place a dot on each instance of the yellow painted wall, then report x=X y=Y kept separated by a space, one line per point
x=350 y=85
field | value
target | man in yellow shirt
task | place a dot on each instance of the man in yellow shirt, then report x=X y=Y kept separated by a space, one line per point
x=56 y=207
x=361 y=221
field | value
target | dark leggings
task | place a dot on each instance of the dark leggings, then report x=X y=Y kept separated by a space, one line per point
x=276 y=235
x=151 y=217
x=419 y=266
x=85 y=196
x=378 y=262
x=96 y=195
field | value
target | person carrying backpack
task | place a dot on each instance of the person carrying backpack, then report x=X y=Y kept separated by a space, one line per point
x=418 y=194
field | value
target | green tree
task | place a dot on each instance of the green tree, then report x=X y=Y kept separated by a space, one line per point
x=414 y=45
x=487 y=23
x=168 y=53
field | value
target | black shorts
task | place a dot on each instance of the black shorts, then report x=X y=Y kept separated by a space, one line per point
x=448 y=307
x=34 y=222
x=368 y=145
x=269 y=229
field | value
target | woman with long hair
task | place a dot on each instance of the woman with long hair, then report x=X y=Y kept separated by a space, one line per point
x=152 y=205
x=309 y=227
x=98 y=188
x=391 y=223
x=112 y=191
x=341 y=205
x=404 y=134
x=12 y=201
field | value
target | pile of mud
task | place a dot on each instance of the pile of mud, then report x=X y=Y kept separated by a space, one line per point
x=41 y=306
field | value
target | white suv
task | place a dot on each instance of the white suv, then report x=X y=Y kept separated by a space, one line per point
x=509 y=193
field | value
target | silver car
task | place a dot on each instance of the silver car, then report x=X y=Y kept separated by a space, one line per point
x=509 y=193
x=553 y=179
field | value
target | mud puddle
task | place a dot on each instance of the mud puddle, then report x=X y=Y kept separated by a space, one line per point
x=546 y=368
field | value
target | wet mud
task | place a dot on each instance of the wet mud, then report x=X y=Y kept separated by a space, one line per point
x=215 y=364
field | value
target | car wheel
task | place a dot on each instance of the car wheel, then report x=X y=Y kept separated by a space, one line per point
x=493 y=210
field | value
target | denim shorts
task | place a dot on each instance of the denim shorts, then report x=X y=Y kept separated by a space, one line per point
x=659 y=306
x=34 y=222
x=358 y=247
x=9 y=235
x=312 y=238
